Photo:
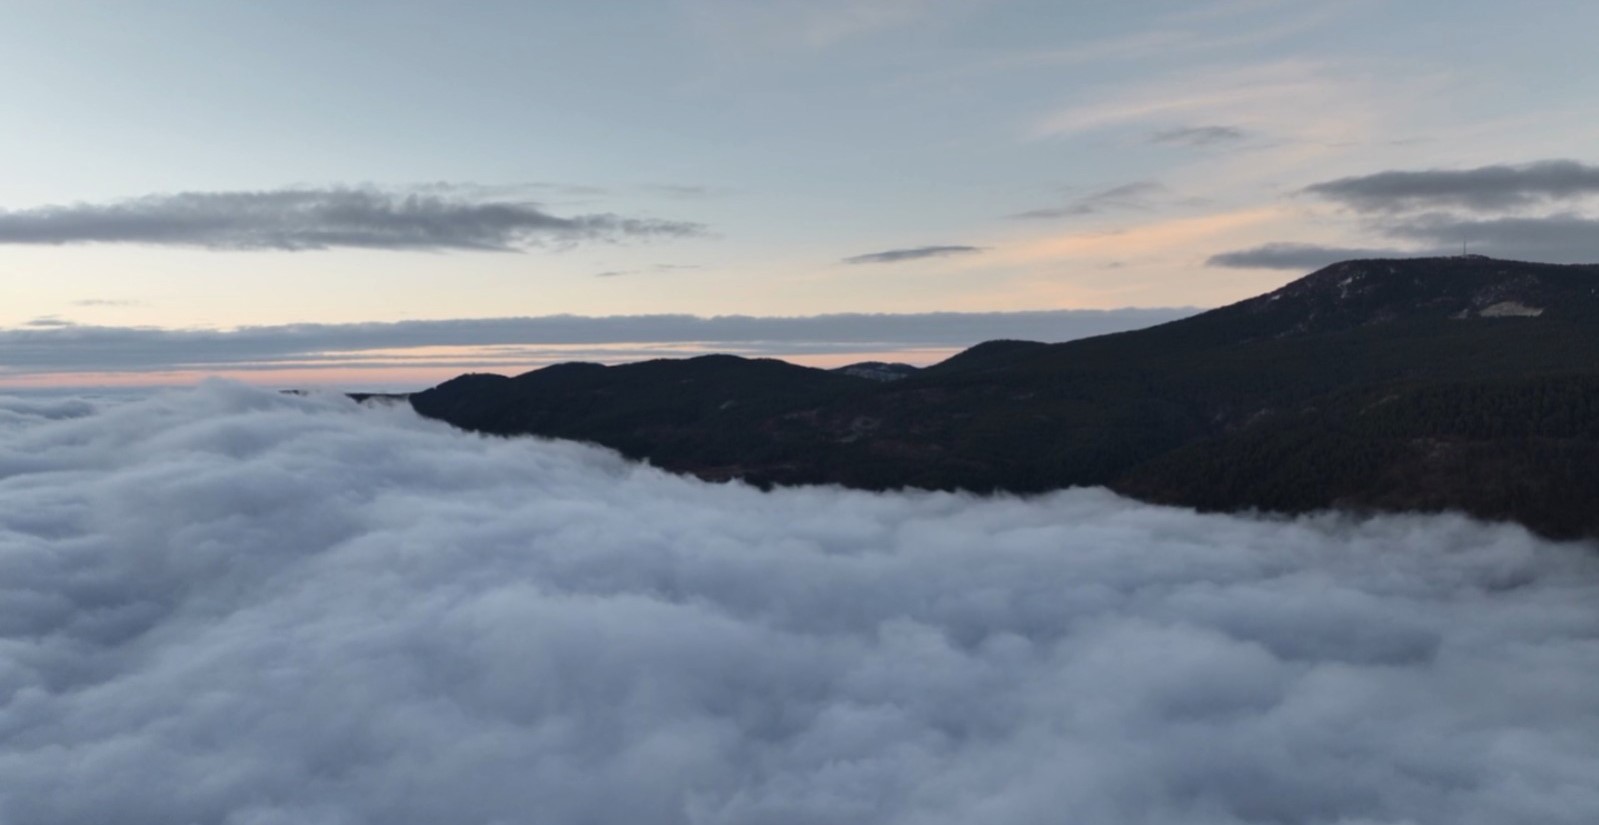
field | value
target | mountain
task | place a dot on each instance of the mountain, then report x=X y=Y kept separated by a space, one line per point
x=1396 y=385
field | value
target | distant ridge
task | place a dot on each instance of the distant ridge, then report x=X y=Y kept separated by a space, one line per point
x=1461 y=383
x=878 y=370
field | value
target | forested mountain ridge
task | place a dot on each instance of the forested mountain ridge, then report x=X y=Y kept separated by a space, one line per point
x=1411 y=384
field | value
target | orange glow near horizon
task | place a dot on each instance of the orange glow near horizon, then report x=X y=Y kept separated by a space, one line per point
x=1178 y=232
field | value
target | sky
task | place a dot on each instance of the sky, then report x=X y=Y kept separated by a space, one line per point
x=228 y=604
x=181 y=169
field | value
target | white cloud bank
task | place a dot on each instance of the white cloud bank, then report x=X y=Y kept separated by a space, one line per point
x=229 y=606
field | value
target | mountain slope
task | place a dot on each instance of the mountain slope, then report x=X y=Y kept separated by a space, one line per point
x=1423 y=384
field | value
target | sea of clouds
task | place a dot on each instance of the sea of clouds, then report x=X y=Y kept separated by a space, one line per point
x=227 y=605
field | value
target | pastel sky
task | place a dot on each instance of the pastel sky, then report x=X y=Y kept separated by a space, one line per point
x=311 y=168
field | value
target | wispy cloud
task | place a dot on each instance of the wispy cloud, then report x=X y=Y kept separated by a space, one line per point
x=913 y=254
x=1485 y=188
x=1169 y=236
x=682 y=191
x=1138 y=195
x=1191 y=32
x=507 y=191
x=617 y=273
x=1294 y=113
x=308 y=219
x=811 y=24
x=1237 y=96
x=106 y=302
x=1198 y=135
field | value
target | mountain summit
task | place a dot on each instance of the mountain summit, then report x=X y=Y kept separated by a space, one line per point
x=1462 y=383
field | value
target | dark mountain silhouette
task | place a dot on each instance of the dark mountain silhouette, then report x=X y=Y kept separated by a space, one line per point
x=879 y=370
x=1427 y=384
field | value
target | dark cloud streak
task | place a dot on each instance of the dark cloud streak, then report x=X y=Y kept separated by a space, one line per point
x=312 y=219
x=1486 y=188
x=1297 y=256
x=1198 y=135
x=914 y=254
x=1565 y=238
x=1560 y=239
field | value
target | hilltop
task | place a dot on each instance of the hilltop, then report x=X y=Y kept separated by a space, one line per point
x=1424 y=384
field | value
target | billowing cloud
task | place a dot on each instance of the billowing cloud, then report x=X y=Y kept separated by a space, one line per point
x=1198 y=135
x=913 y=254
x=1486 y=188
x=1297 y=256
x=302 y=219
x=234 y=606
x=1138 y=195
x=74 y=348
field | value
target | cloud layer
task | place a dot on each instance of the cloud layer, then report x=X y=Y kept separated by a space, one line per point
x=233 y=606
x=61 y=347
x=1486 y=188
x=303 y=219
x=914 y=254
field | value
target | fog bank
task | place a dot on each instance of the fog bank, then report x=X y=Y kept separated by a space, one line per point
x=227 y=605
